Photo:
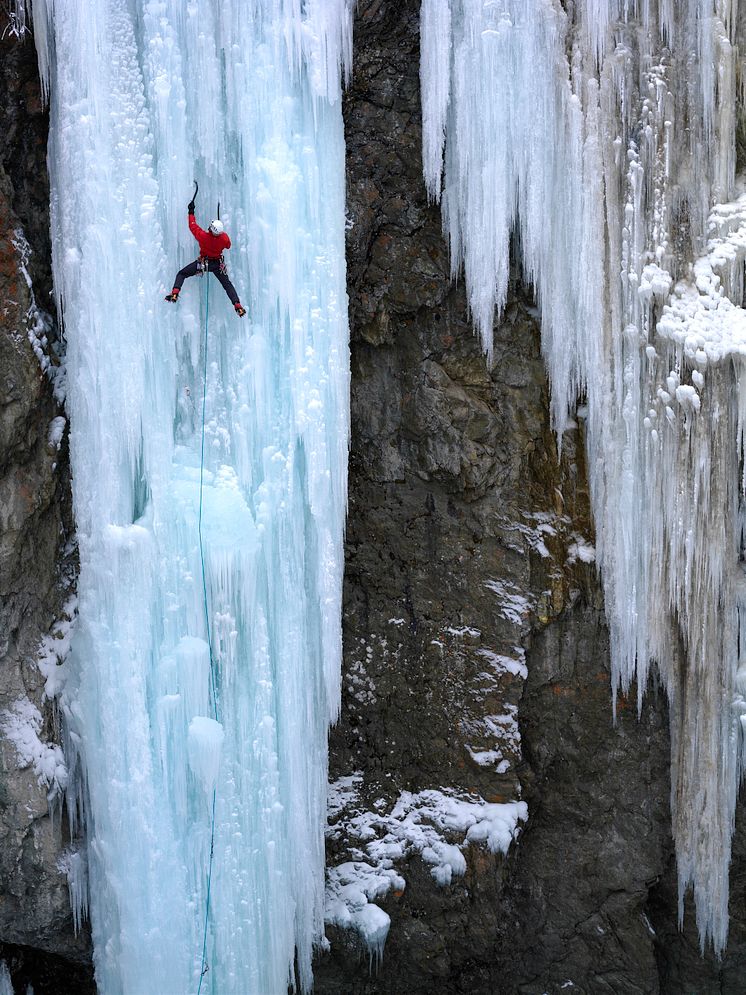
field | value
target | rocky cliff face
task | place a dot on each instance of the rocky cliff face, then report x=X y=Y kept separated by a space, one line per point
x=476 y=652
x=469 y=544
x=36 y=551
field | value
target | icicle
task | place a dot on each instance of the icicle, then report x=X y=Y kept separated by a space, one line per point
x=598 y=16
x=6 y=984
x=435 y=78
x=607 y=170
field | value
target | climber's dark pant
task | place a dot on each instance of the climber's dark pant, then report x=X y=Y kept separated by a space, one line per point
x=216 y=266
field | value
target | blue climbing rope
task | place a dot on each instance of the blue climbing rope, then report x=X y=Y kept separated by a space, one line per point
x=213 y=693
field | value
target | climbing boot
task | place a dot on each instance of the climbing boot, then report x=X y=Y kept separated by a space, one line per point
x=240 y=311
x=173 y=297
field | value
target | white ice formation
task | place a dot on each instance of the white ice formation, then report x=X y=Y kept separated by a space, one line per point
x=244 y=96
x=605 y=146
x=6 y=985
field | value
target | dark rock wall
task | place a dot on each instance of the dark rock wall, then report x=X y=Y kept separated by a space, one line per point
x=37 y=559
x=599 y=826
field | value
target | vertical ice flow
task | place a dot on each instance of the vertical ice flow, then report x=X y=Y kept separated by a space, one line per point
x=602 y=137
x=244 y=96
x=435 y=31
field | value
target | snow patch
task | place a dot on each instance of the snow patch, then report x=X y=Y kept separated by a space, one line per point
x=503 y=730
x=437 y=825
x=513 y=606
x=54 y=649
x=701 y=317
x=502 y=664
x=461 y=631
x=56 y=431
x=21 y=725
x=342 y=794
x=580 y=550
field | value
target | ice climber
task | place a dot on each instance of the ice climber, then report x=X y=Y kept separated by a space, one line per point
x=211 y=245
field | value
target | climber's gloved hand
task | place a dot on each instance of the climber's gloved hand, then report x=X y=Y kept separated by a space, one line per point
x=190 y=207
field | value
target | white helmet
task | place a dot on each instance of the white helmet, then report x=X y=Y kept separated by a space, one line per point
x=216 y=227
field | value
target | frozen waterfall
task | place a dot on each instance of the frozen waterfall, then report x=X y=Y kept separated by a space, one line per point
x=146 y=95
x=605 y=143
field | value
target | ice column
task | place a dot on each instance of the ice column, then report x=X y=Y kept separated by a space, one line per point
x=244 y=97
x=603 y=142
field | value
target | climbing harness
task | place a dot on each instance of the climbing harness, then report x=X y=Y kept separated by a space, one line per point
x=213 y=690
x=203 y=265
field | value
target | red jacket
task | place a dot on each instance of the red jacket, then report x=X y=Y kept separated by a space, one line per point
x=209 y=245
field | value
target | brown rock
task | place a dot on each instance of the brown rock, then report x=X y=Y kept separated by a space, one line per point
x=37 y=562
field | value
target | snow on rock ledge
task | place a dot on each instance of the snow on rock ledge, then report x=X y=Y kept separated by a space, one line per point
x=21 y=725
x=435 y=824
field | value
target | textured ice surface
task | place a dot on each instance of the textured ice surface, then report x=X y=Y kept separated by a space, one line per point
x=204 y=745
x=602 y=146
x=244 y=97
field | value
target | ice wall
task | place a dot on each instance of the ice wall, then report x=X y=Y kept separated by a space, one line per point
x=244 y=96
x=600 y=140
